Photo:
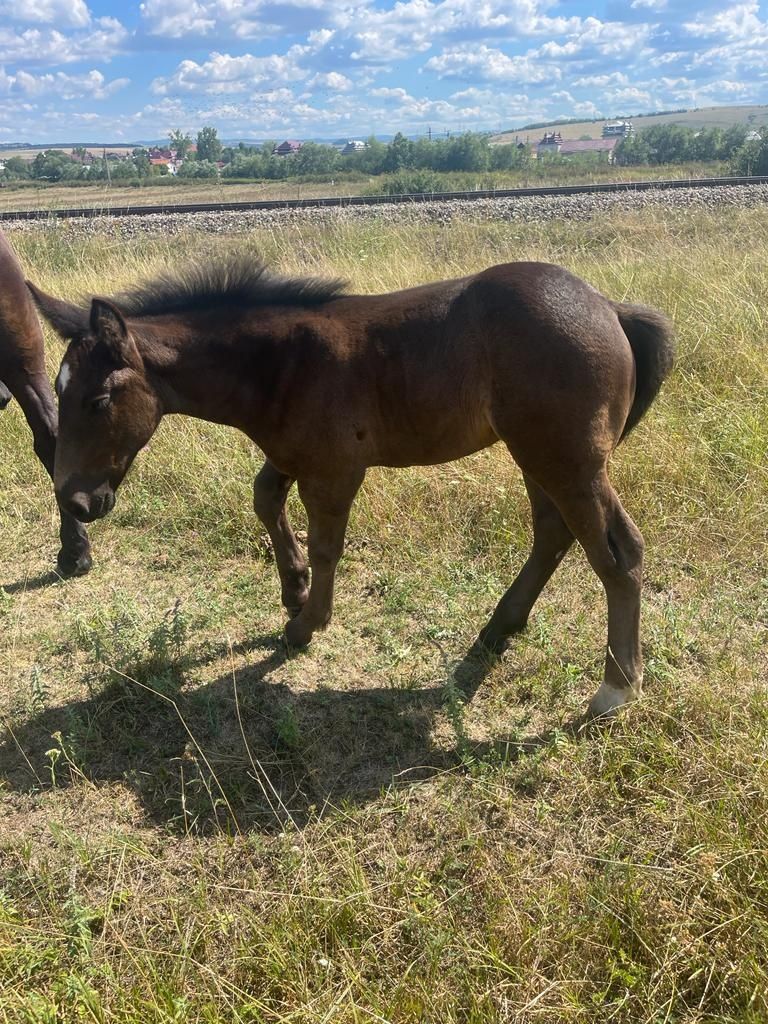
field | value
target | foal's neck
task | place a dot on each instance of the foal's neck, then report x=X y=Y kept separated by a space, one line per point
x=200 y=370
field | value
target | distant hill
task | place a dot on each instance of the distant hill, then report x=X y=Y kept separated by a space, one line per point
x=702 y=117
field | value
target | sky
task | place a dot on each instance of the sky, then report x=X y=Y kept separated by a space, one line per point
x=102 y=71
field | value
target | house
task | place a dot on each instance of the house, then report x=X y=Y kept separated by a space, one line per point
x=550 y=143
x=553 y=142
x=618 y=130
x=287 y=148
x=162 y=161
x=354 y=146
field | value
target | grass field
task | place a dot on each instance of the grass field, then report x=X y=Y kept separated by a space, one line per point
x=197 y=828
x=704 y=117
x=31 y=196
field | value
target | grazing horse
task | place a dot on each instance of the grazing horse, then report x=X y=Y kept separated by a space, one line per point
x=22 y=376
x=327 y=384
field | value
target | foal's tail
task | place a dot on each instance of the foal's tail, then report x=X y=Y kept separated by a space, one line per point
x=651 y=337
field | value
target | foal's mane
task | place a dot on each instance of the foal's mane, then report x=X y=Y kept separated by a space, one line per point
x=234 y=281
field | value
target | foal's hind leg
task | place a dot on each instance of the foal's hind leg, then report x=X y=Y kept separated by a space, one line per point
x=614 y=547
x=551 y=540
x=270 y=491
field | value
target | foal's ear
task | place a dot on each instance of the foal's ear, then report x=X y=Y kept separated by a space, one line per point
x=108 y=325
x=66 y=319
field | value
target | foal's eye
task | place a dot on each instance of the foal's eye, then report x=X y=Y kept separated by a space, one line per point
x=100 y=403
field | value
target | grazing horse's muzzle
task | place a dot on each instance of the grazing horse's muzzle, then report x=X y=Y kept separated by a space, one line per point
x=5 y=395
x=89 y=507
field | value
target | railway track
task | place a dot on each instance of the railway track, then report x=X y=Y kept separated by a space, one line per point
x=348 y=201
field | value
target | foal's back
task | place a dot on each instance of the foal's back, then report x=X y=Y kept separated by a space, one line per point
x=515 y=352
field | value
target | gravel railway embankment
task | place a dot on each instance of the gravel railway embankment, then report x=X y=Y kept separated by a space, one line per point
x=520 y=209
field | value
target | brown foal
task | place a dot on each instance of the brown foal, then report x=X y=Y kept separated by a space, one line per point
x=23 y=377
x=328 y=384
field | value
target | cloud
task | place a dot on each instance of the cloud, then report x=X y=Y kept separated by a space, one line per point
x=484 y=64
x=332 y=81
x=229 y=19
x=67 y=87
x=600 y=81
x=597 y=38
x=638 y=98
x=104 y=38
x=739 y=21
x=225 y=74
x=356 y=66
x=64 y=13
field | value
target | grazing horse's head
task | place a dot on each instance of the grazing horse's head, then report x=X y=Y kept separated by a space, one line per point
x=108 y=409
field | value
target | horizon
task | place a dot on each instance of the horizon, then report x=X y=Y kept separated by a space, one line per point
x=314 y=69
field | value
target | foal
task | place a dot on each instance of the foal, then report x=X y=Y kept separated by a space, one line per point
x=328 y=384
x=22 y=376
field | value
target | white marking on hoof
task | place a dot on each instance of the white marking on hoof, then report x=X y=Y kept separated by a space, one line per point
x=609 y=699
x=63 y=379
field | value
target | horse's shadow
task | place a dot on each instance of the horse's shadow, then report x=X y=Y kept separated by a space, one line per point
x=243 y=752
x=29 y=583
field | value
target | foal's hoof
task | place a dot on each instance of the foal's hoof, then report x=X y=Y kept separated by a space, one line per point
x=608 y=699
x=488 y=646
x=297 y=634
x=67 y=566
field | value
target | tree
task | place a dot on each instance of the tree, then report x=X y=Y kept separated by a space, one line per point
x=208 y=145
x=369 y=160
x=54 y=165
x=141 y=162
x=314 y=158
x=16 y=167
x=468 y=152
x=198 y=169
x=509 y=157
x=180 y=143
x=399 y=153
x=633 y=150
x=752 y=158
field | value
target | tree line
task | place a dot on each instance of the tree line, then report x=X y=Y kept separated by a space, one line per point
x=420 y=160
x=677 y=144
x=207 y=157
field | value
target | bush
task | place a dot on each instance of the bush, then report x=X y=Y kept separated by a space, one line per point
x=198 y=169
x=408 y=182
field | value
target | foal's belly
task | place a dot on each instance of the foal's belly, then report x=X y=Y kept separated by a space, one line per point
x=431 y=448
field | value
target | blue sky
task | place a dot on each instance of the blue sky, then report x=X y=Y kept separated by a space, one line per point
x=97 y=70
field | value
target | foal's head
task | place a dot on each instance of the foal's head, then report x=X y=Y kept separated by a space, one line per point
x=108 y=409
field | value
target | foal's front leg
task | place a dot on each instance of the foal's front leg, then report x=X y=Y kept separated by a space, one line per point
x=270 y=491
x=36 y=401
x=327 y=503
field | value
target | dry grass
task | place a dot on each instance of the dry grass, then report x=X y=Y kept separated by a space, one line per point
x=198 y=829
x=100 y=196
